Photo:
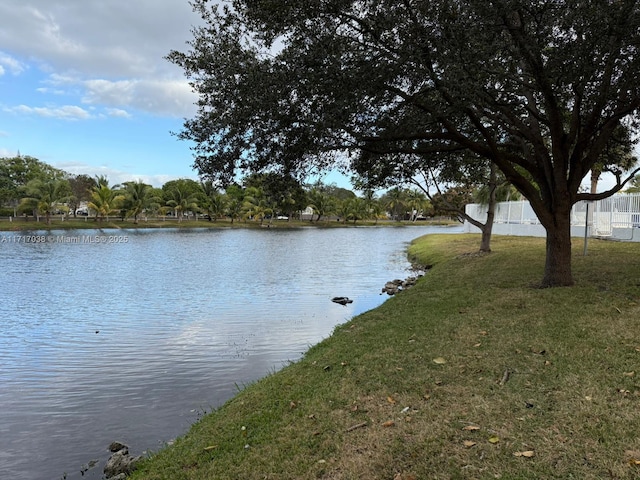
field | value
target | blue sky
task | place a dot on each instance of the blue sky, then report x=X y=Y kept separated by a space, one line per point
x=84 y=87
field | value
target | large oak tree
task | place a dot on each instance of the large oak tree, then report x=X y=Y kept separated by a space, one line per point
x=537 y=87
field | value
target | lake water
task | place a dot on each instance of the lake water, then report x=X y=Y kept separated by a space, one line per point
x=131 y=335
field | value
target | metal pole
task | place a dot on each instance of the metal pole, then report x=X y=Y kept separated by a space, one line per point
x=586 y=230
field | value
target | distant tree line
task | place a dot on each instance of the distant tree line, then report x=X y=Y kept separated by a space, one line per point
x=31 y=187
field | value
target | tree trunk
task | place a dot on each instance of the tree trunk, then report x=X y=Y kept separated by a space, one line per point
x=485 y=241
x=487 y=228
x=557 y=268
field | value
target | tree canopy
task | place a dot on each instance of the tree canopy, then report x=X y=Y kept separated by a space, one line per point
x=537 y=87
x=16 y=172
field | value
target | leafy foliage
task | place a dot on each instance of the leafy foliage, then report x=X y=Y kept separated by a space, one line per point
x=16 y=172
x=46 y=197
x=104 y=200
x=182 y=196
x=137 y=197
x=538 y=88
x=81 y=186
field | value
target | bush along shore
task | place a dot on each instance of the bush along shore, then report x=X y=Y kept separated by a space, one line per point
x=472 y=373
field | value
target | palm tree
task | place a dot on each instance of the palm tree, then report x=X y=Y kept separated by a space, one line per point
x=395 y=202
x=181 y=201
x=234 y=209
x=257 y=211
x=373 y=206
x=46 y=197
x=354 y=209
x=415 y=202
x=635 y=185
x=255 y=206
x=216 y=206
x=321 y=203
x=375 y=211
x=104 y=201
x=215 y=203
x=102 y=180
x=137 y=198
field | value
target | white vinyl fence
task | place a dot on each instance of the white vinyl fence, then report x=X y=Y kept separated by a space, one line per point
x=616 y=217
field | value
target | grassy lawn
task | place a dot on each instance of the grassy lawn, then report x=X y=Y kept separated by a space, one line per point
x=473 y=373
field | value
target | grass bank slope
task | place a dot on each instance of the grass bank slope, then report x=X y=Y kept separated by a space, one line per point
x=473 y=373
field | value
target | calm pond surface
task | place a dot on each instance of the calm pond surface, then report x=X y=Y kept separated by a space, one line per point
x=133 y=341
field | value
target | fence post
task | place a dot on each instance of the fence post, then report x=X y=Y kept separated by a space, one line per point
x=586 y=229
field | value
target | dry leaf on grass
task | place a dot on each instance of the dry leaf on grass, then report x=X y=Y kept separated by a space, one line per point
x=526 y=454
x=389 y=423
x=391 y=400
x=469 y=443
x=470 y=428
x=439 y=361
x=493 y=440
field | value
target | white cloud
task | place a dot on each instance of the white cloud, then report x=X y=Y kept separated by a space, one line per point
x=159 y=97
x=106 y=54
x=122 y=38
x=106 y=92
x=50 y=91
x=9 y=63
x=117 y=112
x=66 y=112
x=165 y=97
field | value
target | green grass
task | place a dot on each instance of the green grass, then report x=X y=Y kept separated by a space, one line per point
x=549 y=371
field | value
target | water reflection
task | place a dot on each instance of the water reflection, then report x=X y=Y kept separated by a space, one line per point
x=132 y=341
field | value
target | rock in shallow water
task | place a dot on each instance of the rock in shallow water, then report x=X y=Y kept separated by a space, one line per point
x=117 y=446
x=120 y=464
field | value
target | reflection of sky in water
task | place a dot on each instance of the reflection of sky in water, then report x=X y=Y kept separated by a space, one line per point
x=183 y=318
